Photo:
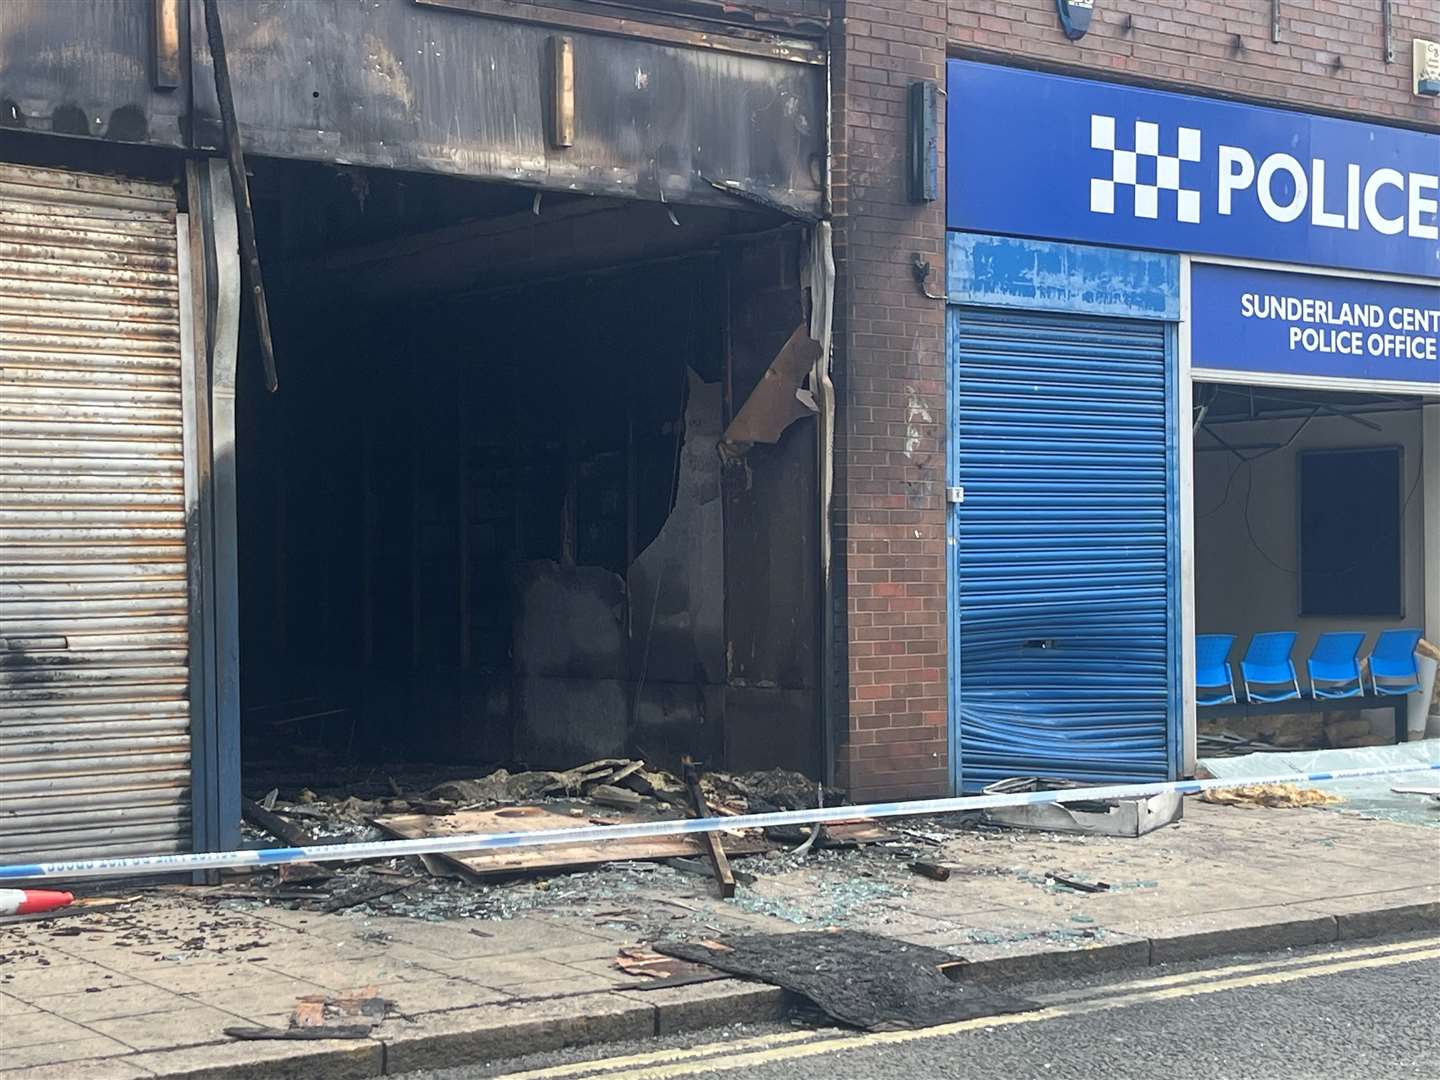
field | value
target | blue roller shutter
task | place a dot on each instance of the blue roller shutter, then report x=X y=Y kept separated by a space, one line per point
x=1065 y=547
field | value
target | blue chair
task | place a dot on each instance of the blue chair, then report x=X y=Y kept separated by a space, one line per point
x=1214 y=679
x=1393 y=658
x=1267 y=663
x=1334 y=666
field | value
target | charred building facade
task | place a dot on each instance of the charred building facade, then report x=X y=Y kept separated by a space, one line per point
x=508 y=452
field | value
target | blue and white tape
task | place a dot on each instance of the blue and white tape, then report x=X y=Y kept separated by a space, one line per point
x=438 y=845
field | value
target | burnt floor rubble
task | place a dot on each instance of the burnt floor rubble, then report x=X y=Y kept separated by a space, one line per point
x=501 y=883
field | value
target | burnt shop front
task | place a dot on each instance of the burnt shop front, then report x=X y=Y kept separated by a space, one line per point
x=1194 y=390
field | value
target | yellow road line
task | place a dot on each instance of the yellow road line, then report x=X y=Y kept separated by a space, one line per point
x=1273 y=978
x=655 y=1057
x=661 y=1067
x=1238 y=969
x=579 y=1068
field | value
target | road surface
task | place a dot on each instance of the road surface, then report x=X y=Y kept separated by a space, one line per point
x=1366 y=1010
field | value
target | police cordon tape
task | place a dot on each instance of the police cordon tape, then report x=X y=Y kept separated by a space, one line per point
x=438 y=845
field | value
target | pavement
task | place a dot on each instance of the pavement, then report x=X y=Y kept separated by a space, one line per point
x=148 y=988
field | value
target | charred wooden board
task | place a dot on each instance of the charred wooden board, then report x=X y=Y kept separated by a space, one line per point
x=517 y=862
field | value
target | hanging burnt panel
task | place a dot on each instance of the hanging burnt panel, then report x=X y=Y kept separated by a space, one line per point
x=771 y=531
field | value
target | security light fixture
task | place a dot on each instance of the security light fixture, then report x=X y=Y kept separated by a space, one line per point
x=1427 y=68
x=1075 y=17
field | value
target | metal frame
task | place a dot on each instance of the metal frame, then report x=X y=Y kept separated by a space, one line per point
x=1247 y=709
x=210 y=323
x=204 y=833
x=952 y=564
x=1177 y=412
x=223 y=361
x=1185 y=406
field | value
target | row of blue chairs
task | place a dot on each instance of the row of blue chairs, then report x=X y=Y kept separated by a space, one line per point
x=1268 y=668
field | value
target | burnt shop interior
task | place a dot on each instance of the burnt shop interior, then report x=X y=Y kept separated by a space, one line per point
x=484 y=520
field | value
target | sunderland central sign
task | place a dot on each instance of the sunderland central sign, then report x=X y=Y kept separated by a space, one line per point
x=1306 y=325
x=1048 y=156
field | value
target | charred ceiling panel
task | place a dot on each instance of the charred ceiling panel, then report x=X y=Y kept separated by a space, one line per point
x=394 y=84
x=89 y=67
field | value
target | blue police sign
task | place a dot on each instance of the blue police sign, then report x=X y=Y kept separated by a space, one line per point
x=1274 y=322
x=1038 y=155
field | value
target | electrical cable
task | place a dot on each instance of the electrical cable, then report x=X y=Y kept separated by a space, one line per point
x=1244 y=461
x=1374 y=542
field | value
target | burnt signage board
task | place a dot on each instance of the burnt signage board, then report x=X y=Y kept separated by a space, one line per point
x=447 y=86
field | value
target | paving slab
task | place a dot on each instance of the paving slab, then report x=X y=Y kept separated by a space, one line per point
x=343 y=975
x=51 y=1054
x=35 y=1028
x=68 y=979
x=439 y=994
x=183 y=1025
x=105 y=1068
x=13 y=1006
x=514 y=970
x=25 y=955
x=196 y=974
x=129 y=999
x=261 y=1003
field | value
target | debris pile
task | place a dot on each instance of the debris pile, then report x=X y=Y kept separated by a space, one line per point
x=610 y=791
x=1271 y=795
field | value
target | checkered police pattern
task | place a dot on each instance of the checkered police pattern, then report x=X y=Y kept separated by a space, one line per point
x=1125 y=170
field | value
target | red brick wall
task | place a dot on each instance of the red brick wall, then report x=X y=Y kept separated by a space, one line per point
x=1330 y=56
x=890 y=373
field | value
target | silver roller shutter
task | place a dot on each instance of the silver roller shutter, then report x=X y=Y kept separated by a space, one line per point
x=94 y=709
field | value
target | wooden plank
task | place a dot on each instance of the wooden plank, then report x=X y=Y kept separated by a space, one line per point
x=275 y=825
x=513 y=862
x=245 y=216
x=724 y=876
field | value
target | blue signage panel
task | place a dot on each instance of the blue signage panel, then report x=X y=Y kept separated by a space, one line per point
x=1270 y=321
x=1030 y=154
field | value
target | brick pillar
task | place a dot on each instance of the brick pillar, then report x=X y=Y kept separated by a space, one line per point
x=890 y=381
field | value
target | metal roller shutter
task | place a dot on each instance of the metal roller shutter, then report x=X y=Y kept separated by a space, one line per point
x=94 y=711
x=1065 y=546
